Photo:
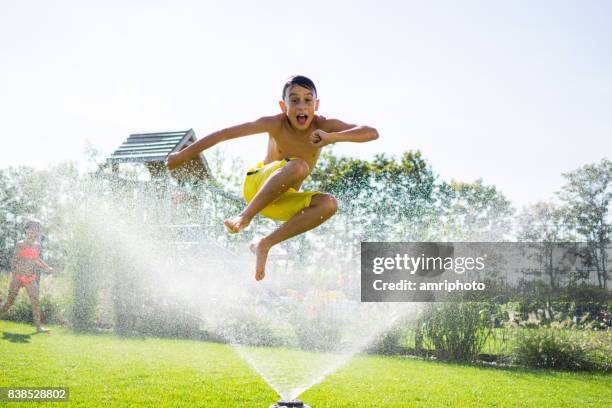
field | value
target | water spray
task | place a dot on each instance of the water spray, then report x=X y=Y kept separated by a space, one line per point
x=186 y=261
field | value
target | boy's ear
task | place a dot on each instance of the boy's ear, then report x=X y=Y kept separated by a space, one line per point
x=317 y=105
x=282 y=106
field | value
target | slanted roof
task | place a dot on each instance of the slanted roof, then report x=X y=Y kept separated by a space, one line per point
x=152 y=149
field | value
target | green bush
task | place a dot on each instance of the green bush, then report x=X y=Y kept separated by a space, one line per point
x=163 y=320
x=599 y=344
x=82 y=270
x=552 y=347
x=585 y=294
x=390 y=342
x=458 y=331
x=51 y=306
x=255 y=328
x=319 y=333
x=21 y=311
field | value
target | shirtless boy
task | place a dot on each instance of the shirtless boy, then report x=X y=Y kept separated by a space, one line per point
x=271 y=189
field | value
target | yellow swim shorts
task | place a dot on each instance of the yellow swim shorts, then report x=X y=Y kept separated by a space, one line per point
x=284 y=207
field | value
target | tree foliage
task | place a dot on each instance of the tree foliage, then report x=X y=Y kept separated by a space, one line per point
x=587 y=200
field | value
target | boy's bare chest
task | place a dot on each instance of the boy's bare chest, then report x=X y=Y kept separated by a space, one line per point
x=286 y=144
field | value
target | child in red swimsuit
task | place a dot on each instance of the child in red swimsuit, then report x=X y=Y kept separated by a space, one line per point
x=24 y=264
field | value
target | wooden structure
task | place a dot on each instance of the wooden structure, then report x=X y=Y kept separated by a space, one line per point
x=152 y=149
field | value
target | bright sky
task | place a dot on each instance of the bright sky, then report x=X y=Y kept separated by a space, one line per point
x=513 y=92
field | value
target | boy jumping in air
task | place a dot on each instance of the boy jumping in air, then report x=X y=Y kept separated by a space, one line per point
x=271 y=189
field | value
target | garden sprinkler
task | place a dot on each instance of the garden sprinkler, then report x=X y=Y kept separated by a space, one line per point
x=289 y=404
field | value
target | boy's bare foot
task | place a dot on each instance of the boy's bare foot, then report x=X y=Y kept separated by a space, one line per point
x=42 y=330
x=260 y=248
x=236 y=224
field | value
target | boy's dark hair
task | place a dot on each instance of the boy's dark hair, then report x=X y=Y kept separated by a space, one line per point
x=301 y=81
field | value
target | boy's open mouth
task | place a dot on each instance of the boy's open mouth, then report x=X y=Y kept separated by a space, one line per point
x=301 y=119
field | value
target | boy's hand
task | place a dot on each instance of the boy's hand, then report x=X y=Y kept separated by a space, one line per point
x=321 y=138
x=173 y=160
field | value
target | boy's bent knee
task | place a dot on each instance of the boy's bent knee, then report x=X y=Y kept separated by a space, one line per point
x=298 y=167
x=329 y=203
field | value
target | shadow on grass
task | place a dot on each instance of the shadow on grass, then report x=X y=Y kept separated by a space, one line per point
x=200 y=336
x=16 y=338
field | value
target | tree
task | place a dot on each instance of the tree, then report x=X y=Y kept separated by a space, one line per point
x=381 y=199
x=22 y=196
x=587 y=197
x=473 y=212
x=9 y=231
x=544 y=224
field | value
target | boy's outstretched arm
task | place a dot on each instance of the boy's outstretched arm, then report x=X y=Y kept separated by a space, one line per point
x=334 y=130
x=261 y=125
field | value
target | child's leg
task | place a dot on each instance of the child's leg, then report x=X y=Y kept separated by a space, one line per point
x=32 y=289
x=12 y=294
x=290 y=175
x=322 y=207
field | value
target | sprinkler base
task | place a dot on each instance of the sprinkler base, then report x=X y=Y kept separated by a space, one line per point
x=289 y=404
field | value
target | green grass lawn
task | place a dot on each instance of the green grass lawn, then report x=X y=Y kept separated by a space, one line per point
x=103 y=370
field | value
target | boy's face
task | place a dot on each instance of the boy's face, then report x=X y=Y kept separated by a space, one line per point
x=300 y=105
